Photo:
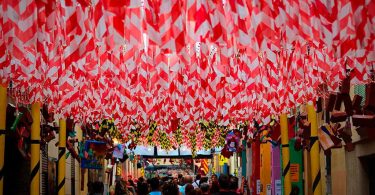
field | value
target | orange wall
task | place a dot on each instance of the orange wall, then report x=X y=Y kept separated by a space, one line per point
x=265 y=166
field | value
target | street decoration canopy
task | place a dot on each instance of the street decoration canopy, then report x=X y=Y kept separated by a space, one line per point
x=177 y=63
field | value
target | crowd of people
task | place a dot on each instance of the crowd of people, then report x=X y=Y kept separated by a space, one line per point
x=181 y=185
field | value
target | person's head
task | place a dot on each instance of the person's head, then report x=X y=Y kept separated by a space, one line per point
x=120 y=187
x=140 y=180
x=189 y=189
x=215 y=187
x=131 y=183
x=111 y=191
x=188 y=179
x=165 y=179
x=175 y=180
x=224 y=181
x=233 y=184
x=171 y=188
x=197 y=191
x=198 y=177
x=154 y=184
x=90 y=187
x=204 y=180
x=180 y=179
x=214 y=177
x=205 y=187
x=142 y=188
x=98 y=187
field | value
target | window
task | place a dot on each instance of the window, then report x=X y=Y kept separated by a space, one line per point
x=361 y=90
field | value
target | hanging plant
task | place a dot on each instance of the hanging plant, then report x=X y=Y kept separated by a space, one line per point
x=223 y=134
x=164 y=141
x=108 y=128
x=216 y=137
x=135 y=131
x=113 y=131
x=209 y=131
x=151 y=132
x=193 y=140
x=178 y=135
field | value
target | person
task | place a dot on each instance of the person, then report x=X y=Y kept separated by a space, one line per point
x=175 y=180
x=155 y=185
x=131 y=183
x=187 y=180
x=233 y=185
x=205 y=188
x=112 y=190
x=119 y=188
x=196 y=182
x=197 y=191
x=90 y=189
x=98 y=188
x=189 y=189
x=213 y=178
x=214 y=189
x=180 y=180
x=130 y=186
x=203 y=180
x=224 y=182
x=171 y=188
x=142 y=186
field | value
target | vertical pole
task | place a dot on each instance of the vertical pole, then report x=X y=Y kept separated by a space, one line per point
x=276 y=171
x=73 y=174
x=314 y=152
x=35 y=150
x=61 y=158
x=3 y=111
x=243 y=158
x=265 y=168
x=255 y=176
x=285 y=153
x=296 y=161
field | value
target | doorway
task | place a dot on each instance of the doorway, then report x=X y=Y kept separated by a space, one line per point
x=368 y=162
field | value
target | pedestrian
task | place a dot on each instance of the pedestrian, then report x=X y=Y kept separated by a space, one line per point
x=187 y=180
x=155 y=186
x=215 y=188
x=171 y=188
x=224 y=183
x=197 y=180
x=189 y=189
x=205 y=188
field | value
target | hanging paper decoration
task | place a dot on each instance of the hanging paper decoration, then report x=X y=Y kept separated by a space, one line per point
x=170 y=61
x=232 y=141
x=94 y=158
x=71 y=140
x=48 y=128
x=16 y=121
x=118 y=152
